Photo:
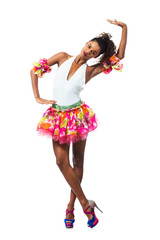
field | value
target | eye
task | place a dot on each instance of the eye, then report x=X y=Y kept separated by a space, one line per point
x=93 y=52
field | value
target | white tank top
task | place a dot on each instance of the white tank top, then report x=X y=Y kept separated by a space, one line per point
x=66 y=92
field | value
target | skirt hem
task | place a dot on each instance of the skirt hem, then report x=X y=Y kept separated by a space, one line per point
x=66 y=139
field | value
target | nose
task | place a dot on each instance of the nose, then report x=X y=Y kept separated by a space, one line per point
x=88 y=52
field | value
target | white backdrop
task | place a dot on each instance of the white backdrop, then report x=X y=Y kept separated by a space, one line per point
x=121 y=169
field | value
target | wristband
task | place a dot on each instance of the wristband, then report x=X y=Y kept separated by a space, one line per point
x=113 y=64
x=41 y=67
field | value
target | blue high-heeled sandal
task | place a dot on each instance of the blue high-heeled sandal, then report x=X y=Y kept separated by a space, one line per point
x=93 y=222
x=69 y=222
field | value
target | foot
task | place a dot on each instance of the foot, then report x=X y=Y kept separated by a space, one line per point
x=69 y=215
x=90 y=216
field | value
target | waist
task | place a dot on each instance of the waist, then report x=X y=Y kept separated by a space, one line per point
x=59 y=107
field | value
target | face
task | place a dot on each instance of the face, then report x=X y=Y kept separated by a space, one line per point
x=90 y=50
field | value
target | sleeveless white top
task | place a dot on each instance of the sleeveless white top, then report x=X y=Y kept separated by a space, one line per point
x=66 y=92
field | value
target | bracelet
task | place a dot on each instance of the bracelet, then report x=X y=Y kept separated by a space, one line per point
x=113 y=64
x=41 y=67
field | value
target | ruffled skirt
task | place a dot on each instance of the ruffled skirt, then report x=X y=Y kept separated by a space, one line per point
x=67 y=124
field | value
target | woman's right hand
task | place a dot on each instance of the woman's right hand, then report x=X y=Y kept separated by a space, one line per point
x=44 y=101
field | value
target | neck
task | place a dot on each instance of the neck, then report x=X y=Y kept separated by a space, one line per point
x=79 y=59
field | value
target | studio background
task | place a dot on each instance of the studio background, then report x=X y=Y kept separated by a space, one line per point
x=122 y=154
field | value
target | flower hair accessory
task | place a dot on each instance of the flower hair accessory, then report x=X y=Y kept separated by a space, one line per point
x=41 y=67
x=114 y=64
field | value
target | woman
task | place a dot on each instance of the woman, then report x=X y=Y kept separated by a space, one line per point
x=69 y=119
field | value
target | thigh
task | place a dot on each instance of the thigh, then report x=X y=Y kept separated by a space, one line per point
x=61 y=151
x=79 y=149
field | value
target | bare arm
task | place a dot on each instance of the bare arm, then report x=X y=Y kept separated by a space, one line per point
x=121 y=50
x=56 y=58
x=98 y=68
x=34 y=79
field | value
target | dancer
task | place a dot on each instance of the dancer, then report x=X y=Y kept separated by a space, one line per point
x=69 y=119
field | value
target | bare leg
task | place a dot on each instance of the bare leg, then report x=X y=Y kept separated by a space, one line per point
x=62 y=159
x=78 y=160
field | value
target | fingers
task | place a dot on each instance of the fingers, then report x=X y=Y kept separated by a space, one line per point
x=50 y=102
x=118 y=23
x=109 y=20
x=113 y=21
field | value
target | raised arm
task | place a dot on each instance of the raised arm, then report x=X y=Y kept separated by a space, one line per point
x=98 y=68
x=122 y=46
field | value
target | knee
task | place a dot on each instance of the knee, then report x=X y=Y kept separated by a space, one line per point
x=61 y=162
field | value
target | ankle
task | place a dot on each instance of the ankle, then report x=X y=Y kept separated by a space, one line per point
x=85 y=204
x=90 y=216
x=70 y=206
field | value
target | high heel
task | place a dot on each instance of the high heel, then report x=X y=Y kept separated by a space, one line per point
x=93 y=222
x=69 y=222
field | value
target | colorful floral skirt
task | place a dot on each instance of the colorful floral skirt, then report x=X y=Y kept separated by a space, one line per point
x=67 y=124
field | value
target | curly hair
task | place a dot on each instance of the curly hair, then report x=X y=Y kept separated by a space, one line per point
x=107 y=46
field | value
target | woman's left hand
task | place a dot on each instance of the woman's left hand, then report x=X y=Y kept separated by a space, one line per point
x=121 y=24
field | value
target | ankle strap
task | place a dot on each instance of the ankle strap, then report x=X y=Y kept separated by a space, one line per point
x=70 y=211
x=88 y=212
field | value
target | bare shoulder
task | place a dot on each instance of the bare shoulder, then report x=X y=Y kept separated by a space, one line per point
x=93 y=70
x=64 y=56
x=58 y=58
